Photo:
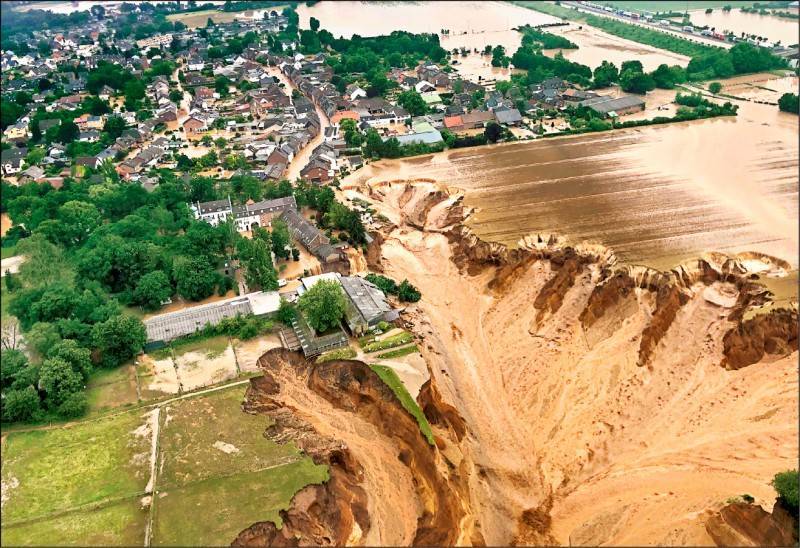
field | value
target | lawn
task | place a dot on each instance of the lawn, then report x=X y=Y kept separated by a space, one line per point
x=194 y=425
x=55 y=470
x=110 y=388
x=399 y=352
x=213 y=512
x=391 y=379
x=6 y=252
x=345 y=353
x=390 y=342
x=120 y=524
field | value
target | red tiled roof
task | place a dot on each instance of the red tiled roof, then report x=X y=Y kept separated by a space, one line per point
x=453 y=121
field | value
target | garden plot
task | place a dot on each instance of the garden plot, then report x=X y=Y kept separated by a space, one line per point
x=248 y=352
x=205 y=362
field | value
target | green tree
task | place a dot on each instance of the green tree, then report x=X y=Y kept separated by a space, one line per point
x=41 y=337
x=789 y=102
x=79 y=220
x=14 y=362
x=153 y=289
x=79 y=358
x=412 y=102
x=34 y=156
x=663 y=77
x=633 y=66
x=636 y=82
x=259 y=271
x=323 y=305
x=605 y=74
x=20 y=405
x=58 y=380
x=715 y=87
x=222 y=85
x=786 y=484
x=407 y=292
x=118 y=339
x=286 y=312
x=493 y=132
x=314 y=24
x=67 y=132
x=195 y=278
x=280 y=239
x=114 y=126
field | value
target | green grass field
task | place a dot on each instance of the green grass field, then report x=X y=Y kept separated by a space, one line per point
x=194 y=425
x=391 y=379
x=217 y=475
x=345 y=353
x=213 y=512
x=111 y=388
x=673 y=5
x=395 y=340
x=120 y=524
x=60 y=469
x=6 y=252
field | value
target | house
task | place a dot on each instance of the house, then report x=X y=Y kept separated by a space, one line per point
x=105 y=93
x=613 y=107
x=427 y=137
x=424 y=86
x=431 y=98
x=44 y=125
x=12 y=159
x=17 y=132
x=87 y=161
x=247 y=216
x=194 y=125
x=91 y=136
x=508 y=117
x=576 y=95
x=454 y=123
x=477 y=119
x=311 y=238
x=366 y=305
x=33 y=173
x=354 y=92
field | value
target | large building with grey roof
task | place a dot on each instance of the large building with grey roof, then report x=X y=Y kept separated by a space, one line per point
x=247 y=215
x=609 y=106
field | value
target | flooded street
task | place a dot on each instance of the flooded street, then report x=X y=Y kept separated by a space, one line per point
x=772 y=27
x=655 y=195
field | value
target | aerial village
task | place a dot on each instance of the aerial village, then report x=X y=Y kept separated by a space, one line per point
x=234 y=102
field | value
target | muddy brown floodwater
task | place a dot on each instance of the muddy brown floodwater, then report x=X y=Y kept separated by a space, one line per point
x=736 y=21
x=655 y=195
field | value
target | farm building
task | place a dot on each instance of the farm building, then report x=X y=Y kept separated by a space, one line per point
x=608 y=106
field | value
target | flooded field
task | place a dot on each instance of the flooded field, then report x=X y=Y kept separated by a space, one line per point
x=596 y=46
x=479 y=24
x=656 y=195
x=737 y=22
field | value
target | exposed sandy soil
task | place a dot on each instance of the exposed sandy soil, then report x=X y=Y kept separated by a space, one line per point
x=5 y=223
x=248 y=352
x=156 y=377
x=199 y=368
x=572 y=441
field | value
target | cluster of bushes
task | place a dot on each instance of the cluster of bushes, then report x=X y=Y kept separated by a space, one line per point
x=546 y=40
x=789 y=102
x=242 y=327
x=404 y=291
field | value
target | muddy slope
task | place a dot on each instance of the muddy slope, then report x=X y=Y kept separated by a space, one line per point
x=600 y=403
x=361 y=500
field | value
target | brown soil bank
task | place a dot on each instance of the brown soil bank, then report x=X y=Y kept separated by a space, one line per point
x=598 y=403
x=741 y=524
x=388 y=485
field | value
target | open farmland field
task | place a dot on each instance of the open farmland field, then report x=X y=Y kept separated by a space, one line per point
x=91 y=483
x=49 y=472
x=213 y=457
x=110 y=388
x=199 y=18
x=205 y=362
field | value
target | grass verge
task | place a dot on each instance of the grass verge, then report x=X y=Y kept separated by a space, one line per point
x=391 y=342
x=391 y=379
x=399 y=352
x=345 y=353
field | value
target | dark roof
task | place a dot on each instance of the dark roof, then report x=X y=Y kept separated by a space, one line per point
x=607 y=104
